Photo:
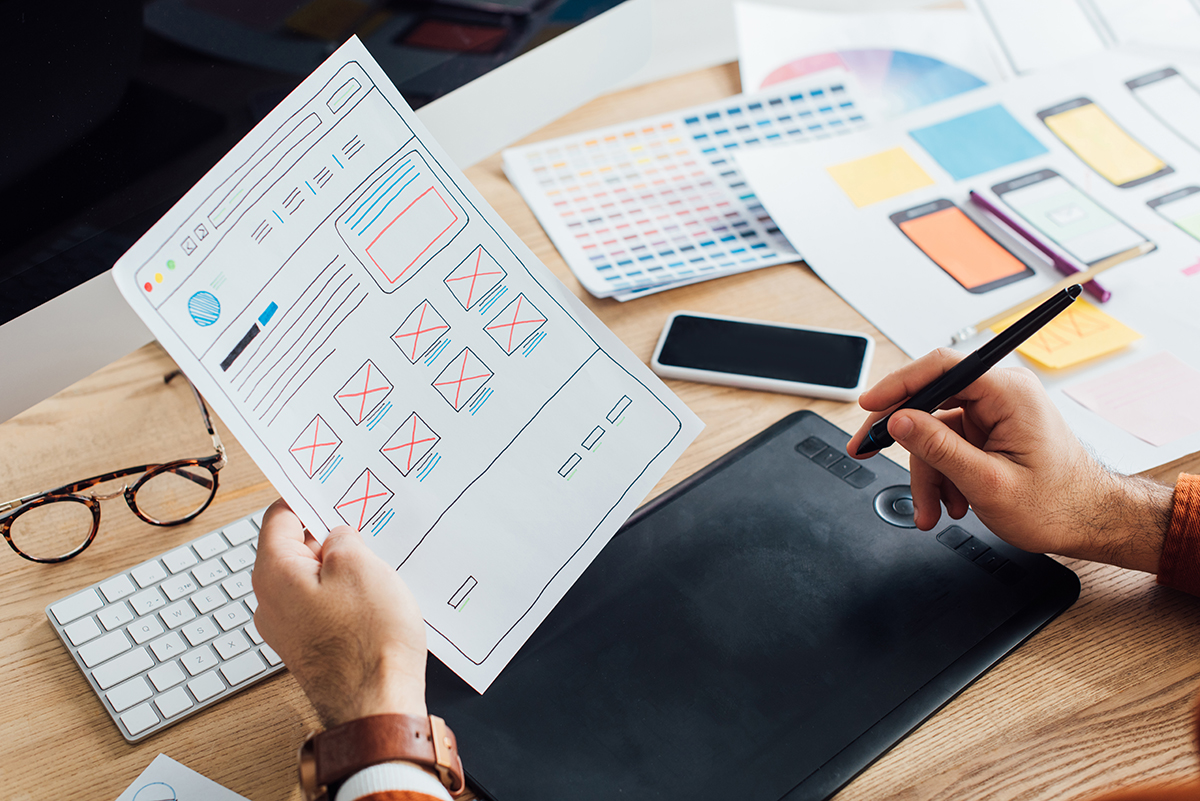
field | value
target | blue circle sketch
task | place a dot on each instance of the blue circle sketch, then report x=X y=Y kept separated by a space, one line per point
x=156 y=791
x=204 y=308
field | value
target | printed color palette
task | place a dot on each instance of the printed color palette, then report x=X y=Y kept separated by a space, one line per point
x=660 y=202
x=978 y=142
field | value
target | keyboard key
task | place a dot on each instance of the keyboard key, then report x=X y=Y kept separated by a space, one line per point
x=206 y=686
x=76 y=606
x=180 y=559
x=166 y=676
x=239 y=558
x=252 y=630
x=174 y=702
x=131 y=692
x=147 y=601
x=117 y=588
x=177 y=614
x=252 y=602
x=200 y=631
x=232 y=644
x=150 y=573
x=139 y=719
x=258 y=516
x=210 y=545
x=238 y=585
x=208 y=600
x=168 y=647
x=178 y=586
x=126 y=666
x=145 y=629
x=272 y=657
x=199 y=660
x=116 y=615
x=105 y=648
x=243 y=667
x=81 y=631
x=209 y=572
x=242 y=531
x=232 y=616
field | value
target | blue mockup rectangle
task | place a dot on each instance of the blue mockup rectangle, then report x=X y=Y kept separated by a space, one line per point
x=978 y=142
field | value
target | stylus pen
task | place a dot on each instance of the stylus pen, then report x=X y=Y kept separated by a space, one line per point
x=966 y=372
x=1062 y=265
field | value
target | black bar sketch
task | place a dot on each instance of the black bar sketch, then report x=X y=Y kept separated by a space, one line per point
x=569 y=465
x=461 y=595
x=619 y=409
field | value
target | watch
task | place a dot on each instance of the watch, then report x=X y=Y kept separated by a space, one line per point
x=330 y=757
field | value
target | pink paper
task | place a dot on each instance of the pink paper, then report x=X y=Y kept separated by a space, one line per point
x=1156 y=400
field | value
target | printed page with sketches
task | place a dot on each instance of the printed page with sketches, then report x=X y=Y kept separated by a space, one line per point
x=395 y=359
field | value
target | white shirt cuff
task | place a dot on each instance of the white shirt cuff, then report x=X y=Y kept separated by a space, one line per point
x=391 y=776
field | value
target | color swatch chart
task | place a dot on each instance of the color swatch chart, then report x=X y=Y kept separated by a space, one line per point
x=659 y=202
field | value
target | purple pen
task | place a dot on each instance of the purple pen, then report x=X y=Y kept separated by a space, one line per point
x=1062 y=265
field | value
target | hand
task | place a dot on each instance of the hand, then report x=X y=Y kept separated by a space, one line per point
x=345 y=624
x=1002 y=448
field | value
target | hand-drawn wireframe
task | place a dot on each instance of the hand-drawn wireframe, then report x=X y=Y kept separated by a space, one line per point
x=462 y=378
x=400 y=221
x=461 y=594
x=315 y=446
x=365 y=390
x=366 y=496
x=411 y=443
x=569 y=465
x=515 y=323
x=420 y=331
x=477 y=275
x=591 y=439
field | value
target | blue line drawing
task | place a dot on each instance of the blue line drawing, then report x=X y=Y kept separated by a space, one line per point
x=156 y=791
x=385 y=205
x=204 y=308
x=381 y=190
x=437 y=457
x=340 y=164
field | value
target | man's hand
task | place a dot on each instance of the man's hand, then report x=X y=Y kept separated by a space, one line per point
x=1002 y=448
x=345 y=624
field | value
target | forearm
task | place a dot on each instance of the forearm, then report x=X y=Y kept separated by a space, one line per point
x=1124 y=523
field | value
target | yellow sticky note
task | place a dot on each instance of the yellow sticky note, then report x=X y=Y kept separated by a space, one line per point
x=879 y=177
x=1080 y=333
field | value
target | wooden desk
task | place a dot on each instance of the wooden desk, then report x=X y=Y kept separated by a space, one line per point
x=1100 y=697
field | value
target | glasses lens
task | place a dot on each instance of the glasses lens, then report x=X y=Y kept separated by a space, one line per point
x=176 y=494
x=51 y=530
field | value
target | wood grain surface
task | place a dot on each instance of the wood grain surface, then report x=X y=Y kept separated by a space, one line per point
x=1100 y=698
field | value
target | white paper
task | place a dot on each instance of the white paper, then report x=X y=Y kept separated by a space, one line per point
x=658 y=202
x=907 y=58
x=1028 y=35
x=869 y=261
x=164 y=779
x=394 y=358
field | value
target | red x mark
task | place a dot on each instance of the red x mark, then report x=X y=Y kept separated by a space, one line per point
x=365 y=392
x=416 y=335
x=474 y=277
x=462 y=376
x=366 y=497
x=312 y=456
x=412 y=443
x=512 y=327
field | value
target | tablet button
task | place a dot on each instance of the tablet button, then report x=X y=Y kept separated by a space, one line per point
x=889 y=503
x=953 y=537
x=827 y=457
x=843 y=467
x=811 y=447
x=860 y=478
x=1009 y=573
x=971 y=549
x=990 y=561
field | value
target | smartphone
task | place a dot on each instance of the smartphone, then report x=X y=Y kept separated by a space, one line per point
x=957 y=244
x=1102 y=144
x=1066 y=216
x=1173 y=99
x=1182 y=208
x=775 y=357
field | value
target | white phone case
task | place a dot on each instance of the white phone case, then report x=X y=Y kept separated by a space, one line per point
x=758 y=382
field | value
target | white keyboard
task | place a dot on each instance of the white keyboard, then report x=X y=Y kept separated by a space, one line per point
x=173 y=635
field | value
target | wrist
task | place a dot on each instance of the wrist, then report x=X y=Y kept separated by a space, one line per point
x=1127 y=525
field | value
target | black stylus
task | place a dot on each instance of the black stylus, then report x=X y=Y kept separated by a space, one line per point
x=966 y=372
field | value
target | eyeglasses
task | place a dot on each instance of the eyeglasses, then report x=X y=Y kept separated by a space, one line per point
x=53 y=526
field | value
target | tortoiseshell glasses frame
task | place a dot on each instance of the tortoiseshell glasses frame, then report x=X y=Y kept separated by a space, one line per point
x=204 y=474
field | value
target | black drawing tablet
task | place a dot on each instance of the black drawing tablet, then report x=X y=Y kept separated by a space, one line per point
x=759 y=632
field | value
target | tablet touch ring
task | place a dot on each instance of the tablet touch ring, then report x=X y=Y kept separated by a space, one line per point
x=895 y=505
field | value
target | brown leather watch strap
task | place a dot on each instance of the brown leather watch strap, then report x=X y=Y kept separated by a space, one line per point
x=332 y=756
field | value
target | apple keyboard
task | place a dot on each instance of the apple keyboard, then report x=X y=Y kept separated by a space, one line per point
x=173 y=635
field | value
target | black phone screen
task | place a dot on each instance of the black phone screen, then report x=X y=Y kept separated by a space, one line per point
x=767 y=351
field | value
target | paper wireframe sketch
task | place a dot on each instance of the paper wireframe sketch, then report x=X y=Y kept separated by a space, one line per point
x=164 y=779
x=395 y=359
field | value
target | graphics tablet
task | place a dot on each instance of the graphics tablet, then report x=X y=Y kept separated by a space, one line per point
x=765 y=630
